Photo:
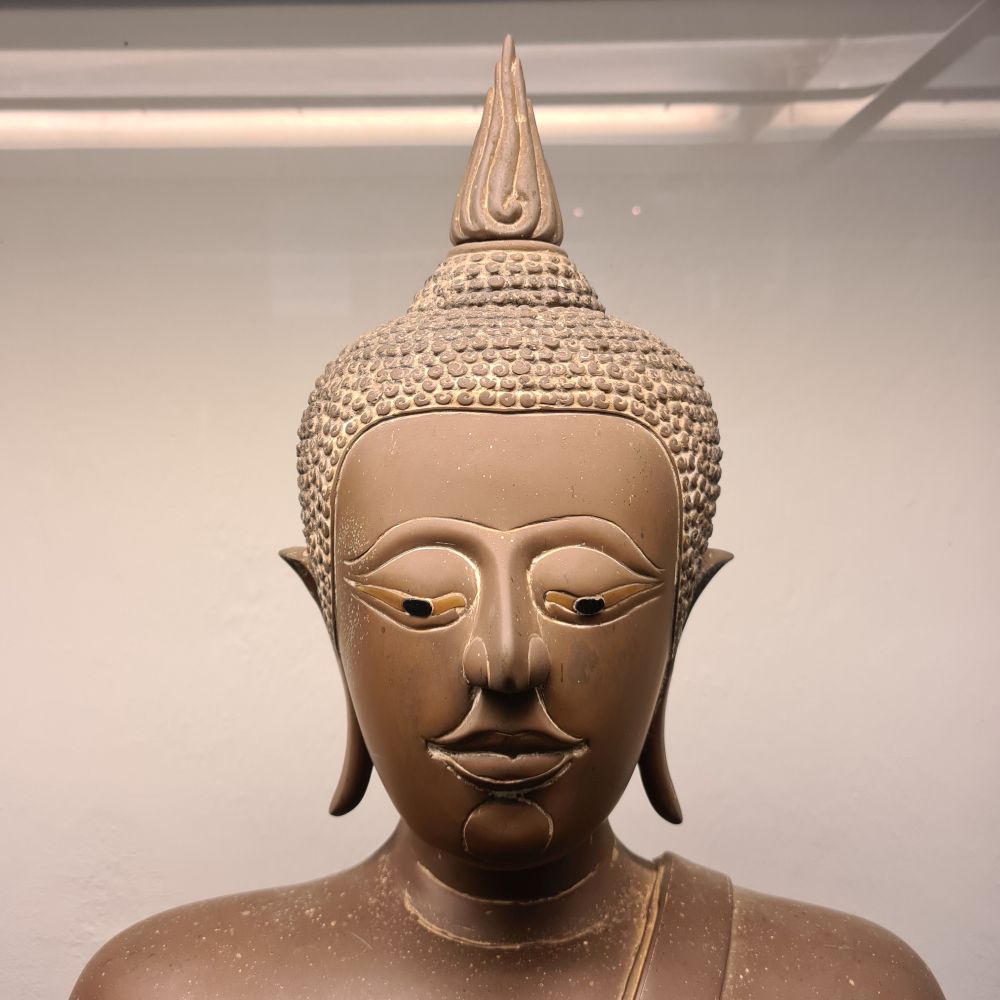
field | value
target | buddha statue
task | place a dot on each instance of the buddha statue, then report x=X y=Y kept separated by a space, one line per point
x=507 y=497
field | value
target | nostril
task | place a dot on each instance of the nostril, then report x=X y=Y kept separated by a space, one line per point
x=476 y=663
x=539 y=662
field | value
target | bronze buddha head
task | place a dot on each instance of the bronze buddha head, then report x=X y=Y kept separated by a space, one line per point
x=507 y=497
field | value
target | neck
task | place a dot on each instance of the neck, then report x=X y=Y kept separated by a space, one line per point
x=559 y=901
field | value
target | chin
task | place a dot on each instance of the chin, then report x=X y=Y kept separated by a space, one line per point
x=507 y=832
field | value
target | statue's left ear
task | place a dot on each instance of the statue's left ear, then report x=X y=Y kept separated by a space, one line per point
x=357 y=768
x=653 y=760
x=711 y=563
x=298 y=559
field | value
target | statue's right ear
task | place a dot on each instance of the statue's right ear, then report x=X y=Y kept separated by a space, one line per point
x=298 y=559
x=357 y=768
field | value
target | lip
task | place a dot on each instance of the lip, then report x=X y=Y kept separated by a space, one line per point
x=507 y=745
x=506 y=773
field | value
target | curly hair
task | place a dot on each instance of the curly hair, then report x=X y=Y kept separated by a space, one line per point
x=510 y=327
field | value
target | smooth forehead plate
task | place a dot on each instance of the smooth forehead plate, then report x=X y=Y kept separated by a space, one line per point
x=505 y=470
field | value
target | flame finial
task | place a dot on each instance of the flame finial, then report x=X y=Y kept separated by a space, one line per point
x=507 y=191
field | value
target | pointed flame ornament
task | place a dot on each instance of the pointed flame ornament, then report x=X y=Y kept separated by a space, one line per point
x=507 y=192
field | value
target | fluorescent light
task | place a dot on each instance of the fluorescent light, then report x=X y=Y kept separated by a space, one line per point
x=810 y=120
x=318 y=127
x=805 y=120
x=950 y=117
x=569 y=124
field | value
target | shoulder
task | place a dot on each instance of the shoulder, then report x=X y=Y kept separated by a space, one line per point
x=783 y=949
x=234 y=946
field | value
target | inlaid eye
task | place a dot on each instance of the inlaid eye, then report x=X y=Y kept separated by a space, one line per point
x=594 y=605
x=586 y=606
x=419 y=607
x=429 y=611
x=421 y=588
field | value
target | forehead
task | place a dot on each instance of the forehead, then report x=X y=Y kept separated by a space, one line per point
x=505 y=470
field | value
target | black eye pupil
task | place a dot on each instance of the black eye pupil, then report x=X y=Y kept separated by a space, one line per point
x=588 y=605
x=418 y=607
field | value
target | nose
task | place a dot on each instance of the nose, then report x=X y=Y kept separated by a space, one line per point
x=506 y=653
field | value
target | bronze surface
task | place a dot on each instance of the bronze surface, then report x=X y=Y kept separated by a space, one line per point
x=507 y=500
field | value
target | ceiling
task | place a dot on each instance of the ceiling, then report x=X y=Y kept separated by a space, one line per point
x=822 y=77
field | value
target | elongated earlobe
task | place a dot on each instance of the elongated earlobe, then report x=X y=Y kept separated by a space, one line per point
x=357 y=768
x=653 y=768
x=654 y=771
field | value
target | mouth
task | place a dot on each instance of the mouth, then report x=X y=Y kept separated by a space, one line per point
x=501 y=754
x=502 y=773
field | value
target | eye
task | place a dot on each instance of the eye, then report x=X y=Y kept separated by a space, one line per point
x=412 y=605
x=422 y=588
x=587 y=606
x=592 y=605
x=419 y=607
x=585 y=585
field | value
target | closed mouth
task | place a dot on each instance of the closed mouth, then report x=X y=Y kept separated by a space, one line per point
x=509 y=772
x=507 y=744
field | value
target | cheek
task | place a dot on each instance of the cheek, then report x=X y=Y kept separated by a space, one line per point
x=408 y=687
x=605 y=679
x=404 y=683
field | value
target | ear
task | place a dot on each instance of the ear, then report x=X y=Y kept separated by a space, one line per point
x=298 y=559
x=711 y=562
x=653 y=760
x=356 y=771
x=357 y=768
x=653 y=765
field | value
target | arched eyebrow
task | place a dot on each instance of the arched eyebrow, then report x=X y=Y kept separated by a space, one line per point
x=466 y=536
x=419 y=532
x=596 y=533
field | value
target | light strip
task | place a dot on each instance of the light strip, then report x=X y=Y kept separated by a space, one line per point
x=811 y=121
x=572 y=124
x=319 y=127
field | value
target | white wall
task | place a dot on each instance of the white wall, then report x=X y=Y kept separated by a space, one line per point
x=172 y=718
